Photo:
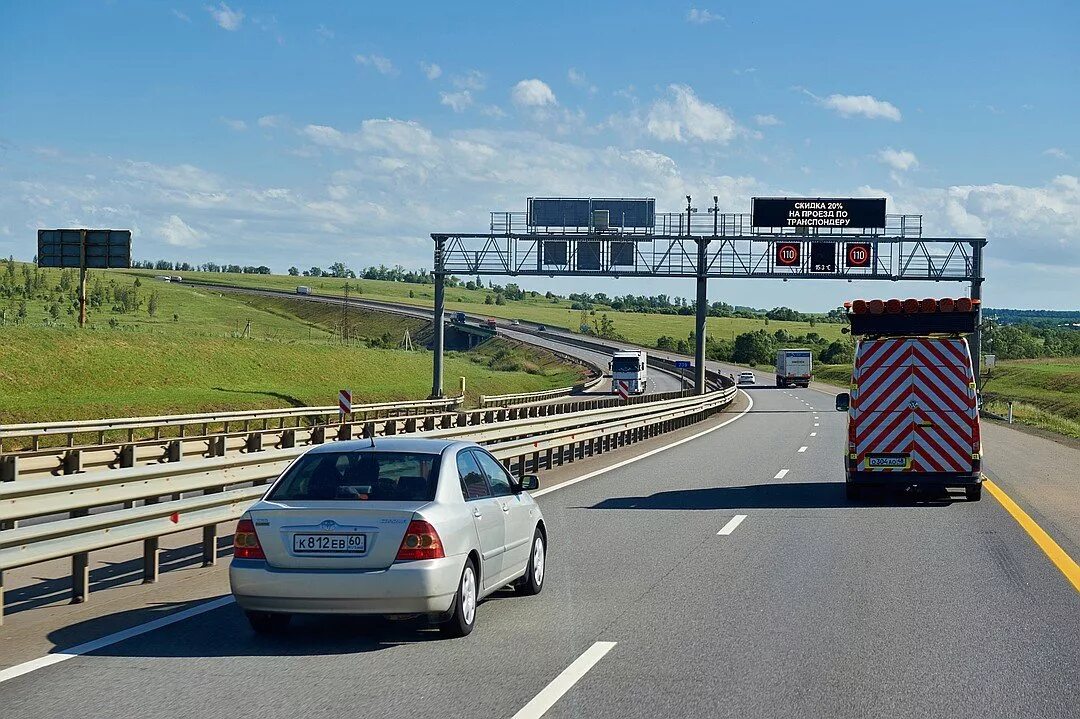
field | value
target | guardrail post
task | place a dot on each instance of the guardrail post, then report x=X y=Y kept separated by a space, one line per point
x=9 y=468
x=288 y=439
x=429 y=422
x=72 y=461
x=174 y=452
x=150 y=559
x=344 y=431
x=369 y=430
x=318 y=434
x=80 y=577
x=410 y=424
x=391 y=428
x=254 y=442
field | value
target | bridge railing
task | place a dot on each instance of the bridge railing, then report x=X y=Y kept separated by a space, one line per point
x=102 y=514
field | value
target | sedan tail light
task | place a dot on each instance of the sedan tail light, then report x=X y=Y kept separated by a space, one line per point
x=421 y=541
x=246 y=542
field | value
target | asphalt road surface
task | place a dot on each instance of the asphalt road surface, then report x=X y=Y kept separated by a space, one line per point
x=808 y=606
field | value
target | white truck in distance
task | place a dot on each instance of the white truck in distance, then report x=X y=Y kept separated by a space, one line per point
x=794 y=367
x=629 y=371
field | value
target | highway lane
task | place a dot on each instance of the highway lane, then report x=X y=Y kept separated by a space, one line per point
x=811 y=606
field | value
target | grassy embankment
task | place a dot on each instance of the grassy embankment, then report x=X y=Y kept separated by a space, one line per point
x=199 y=360
x=1045 y=392
x=636 y=327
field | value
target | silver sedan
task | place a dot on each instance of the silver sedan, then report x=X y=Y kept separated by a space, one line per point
x=407 y=526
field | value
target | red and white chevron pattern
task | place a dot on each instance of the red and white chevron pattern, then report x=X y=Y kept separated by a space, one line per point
x=914 y=396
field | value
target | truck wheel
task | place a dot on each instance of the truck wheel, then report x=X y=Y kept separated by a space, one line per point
x=974 y=494
x=779 y=383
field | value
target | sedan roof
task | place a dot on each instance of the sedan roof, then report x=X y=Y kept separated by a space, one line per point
x=426 y=445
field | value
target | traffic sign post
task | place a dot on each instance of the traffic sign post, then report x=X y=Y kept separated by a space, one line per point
x=84 y=249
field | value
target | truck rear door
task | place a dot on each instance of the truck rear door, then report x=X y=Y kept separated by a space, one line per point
x=882 y=394
x=943 y=405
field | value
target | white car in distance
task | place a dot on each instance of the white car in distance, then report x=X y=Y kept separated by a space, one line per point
x=401 y=526
x=747 y=378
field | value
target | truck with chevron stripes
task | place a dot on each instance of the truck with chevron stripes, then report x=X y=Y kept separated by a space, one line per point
x=913 y=418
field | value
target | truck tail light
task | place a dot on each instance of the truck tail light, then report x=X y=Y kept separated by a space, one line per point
x=246 y=542
x=911 y=306
x=946 y=304
x=859 y=307
x=928 y=305
x=421 y=541
x=894 y=306
x=876 y=307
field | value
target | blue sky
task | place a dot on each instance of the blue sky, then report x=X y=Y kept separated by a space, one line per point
x=305 y=133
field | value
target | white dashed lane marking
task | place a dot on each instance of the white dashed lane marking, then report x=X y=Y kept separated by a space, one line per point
x=781 y=474
x=731 y=525
x=803 y=449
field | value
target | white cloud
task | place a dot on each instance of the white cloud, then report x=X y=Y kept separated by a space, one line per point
x=324 y=32
x=1057 y=152
x=767 y=120
x=178 y=233
x=683 y=117
x=237 y=125
x=226 y=17
x=862 y=105
x=473 y=80
x=901 y=160
x=271 y=121
x=431 y=70
x=381 y=64
x=578 y=79
x=702 y=17
x=456 y=101
x=180 y=15
x=532 y=93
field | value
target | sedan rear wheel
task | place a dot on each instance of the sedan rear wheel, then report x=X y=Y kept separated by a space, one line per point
x=533 y=581
x=463 y=618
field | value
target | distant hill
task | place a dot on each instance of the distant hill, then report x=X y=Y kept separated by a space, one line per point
x=1042 y=318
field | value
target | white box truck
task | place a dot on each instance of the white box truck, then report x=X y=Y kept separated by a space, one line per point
x=629 y=372
x=794 y=367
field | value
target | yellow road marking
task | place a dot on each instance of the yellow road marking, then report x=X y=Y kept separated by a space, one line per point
x=1057 y=555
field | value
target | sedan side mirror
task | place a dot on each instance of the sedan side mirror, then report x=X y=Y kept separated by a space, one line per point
x=843 y=401
x=529 y=483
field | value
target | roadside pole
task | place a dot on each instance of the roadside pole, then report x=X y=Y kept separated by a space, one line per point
x=976 y=294
x=82 y=278
x=440 y=310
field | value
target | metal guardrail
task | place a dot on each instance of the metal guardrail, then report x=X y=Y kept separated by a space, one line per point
x=521 y=444
x=215 y=429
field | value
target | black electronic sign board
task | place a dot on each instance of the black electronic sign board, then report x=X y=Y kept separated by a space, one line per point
x=823 y=257
x=858 y=254
x=827 y=212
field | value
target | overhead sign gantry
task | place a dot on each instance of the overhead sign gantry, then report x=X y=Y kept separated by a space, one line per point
x=781 y=238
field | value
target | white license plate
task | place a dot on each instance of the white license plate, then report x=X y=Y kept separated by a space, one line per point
x=329 y=543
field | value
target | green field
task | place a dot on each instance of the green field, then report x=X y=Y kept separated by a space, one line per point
x=636 y=327
x=1045 y=392
x=205 y=350
x=50 y=374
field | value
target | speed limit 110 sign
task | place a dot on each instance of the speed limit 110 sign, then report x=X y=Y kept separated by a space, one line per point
x=858 y=254
x=788 y=254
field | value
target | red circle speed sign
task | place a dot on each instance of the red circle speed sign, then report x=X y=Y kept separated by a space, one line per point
x=858 y=255
x=787 y=254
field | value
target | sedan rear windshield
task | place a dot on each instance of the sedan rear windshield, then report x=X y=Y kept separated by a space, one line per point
x=360 y=476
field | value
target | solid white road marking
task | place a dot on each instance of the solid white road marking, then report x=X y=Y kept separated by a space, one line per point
x=803 y=449
x=92 y=646
x=731 y=525
x=813 y=434
x=816 y=424
x=781 y=474
x=562 y=683
x=650 y=453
